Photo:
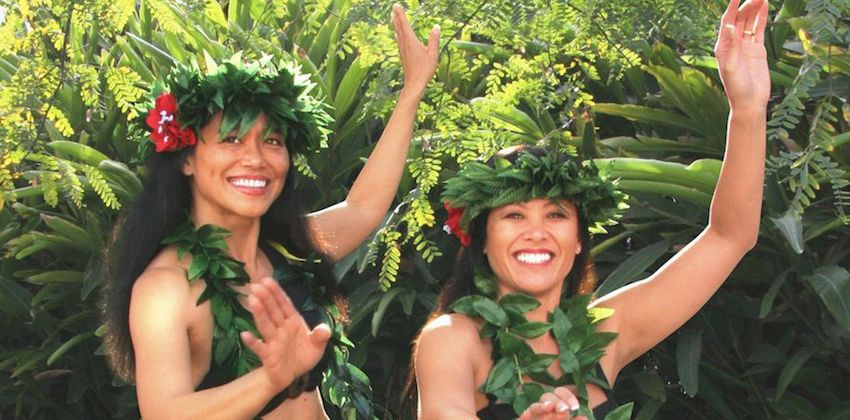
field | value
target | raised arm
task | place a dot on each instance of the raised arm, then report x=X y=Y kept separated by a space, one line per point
x=648 y=311
x=159 y=324
x=340 y=229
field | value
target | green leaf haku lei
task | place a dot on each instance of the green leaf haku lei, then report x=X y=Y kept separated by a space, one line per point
x=573 y=326
x=343 y=384
x=242 y=91
x=478 y=187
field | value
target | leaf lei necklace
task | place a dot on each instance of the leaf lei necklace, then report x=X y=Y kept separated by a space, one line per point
x=343 y=384
x=572 y=324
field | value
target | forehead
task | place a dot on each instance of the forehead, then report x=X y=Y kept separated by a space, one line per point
x=539 y=203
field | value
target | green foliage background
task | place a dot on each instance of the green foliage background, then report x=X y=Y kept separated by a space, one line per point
x=630 y=83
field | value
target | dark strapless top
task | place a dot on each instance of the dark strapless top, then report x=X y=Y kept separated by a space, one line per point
x=299 y=294
x=500 y=411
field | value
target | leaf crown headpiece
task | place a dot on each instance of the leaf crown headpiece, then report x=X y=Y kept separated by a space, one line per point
x=242 y=91
x=535 y=173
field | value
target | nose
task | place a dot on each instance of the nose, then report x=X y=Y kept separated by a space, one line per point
x=535 y=231
x=252 y=153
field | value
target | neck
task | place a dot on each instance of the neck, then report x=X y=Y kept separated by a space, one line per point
x=245 y=233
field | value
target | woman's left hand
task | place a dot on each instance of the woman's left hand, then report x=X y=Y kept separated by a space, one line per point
x=419 y=61
x=741 y=56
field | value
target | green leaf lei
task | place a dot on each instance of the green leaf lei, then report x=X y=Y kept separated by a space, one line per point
x=478 y=187
x=343 y=384
x=573 y=326
x=242 y=91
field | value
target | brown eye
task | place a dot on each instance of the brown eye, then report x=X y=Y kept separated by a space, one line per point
x=274 y=141
x=513 y=215
x=557 y=215
x=231 y=139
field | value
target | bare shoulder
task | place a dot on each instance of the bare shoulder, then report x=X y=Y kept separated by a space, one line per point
x=450 y=332
x=162 y=288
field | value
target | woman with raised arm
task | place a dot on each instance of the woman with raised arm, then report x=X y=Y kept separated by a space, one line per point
x=194 y=317
x=523 y=221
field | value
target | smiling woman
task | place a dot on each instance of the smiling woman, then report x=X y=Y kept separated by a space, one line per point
x=522 y=343
x=251 y=337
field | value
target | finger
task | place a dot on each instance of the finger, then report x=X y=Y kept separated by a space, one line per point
x=761 y=22
x=731 y=12
x=281 y=298
x=262 y=320
x=320 y=335
x=396 y=27
x=434 y=40
x=253 y=344
x=268 y=304
x=747 y=19
x=567 y=398
x=403 y=24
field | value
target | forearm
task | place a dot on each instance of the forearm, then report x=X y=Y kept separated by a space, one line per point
x=736 y=205
x=375 y=186
x=242 y=398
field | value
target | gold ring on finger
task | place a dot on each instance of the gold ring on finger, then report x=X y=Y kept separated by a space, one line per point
x=749 y=33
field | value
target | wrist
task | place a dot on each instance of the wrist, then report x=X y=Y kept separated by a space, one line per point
x=754 y=111
x=411 y=93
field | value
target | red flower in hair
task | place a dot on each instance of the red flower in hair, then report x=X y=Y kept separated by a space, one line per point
x=167 y=133
x=452 y=225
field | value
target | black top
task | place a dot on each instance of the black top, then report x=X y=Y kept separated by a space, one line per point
x=501 y=411
x=299 y=294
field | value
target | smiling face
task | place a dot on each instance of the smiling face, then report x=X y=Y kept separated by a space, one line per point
x=531 y=246
x=236 y=176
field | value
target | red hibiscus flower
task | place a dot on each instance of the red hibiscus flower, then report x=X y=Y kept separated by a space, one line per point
x=452 y=225
x=167 y=134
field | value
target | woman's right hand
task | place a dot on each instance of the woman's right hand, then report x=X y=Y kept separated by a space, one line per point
x=288 y=348
x=555 y=405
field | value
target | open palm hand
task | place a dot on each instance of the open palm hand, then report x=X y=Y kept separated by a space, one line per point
x=418 y=60
x=741 y=55
x=288 y=348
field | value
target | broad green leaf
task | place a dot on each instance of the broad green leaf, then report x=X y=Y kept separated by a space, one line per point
x=644 y=114
x=518 y=302
x=378 y=315
x=791 y=228
x=78 y=151
x=790 y=371
x=688 y=351
x=501 y=373
x=767 y=300
x=832 y=284
x=532 y=329
x=57 y=277
x=633 y=267
x=623 y=412
x=68 y=345
x=491 y=312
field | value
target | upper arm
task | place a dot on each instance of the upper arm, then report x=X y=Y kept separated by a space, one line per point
x=445 y=375
x=647 y=311
x=159 y=330
x=339 y=229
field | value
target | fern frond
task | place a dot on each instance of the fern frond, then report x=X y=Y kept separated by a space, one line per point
x=121 y=82
x=166 y=16
x=303 y=166
x=58 y=118
x=100 y=186
x=70 y=183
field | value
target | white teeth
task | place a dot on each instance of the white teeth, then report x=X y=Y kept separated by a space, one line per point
x=535 y=258
x=250 y=183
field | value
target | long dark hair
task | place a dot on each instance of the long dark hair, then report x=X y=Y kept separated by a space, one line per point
x=162 y=206
x=467 y=260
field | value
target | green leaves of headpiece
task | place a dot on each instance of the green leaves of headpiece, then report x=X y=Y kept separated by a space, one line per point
x=478 y=187
x=244 y=90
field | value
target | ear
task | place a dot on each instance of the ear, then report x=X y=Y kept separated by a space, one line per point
x=188 y=167
x=578 y=249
